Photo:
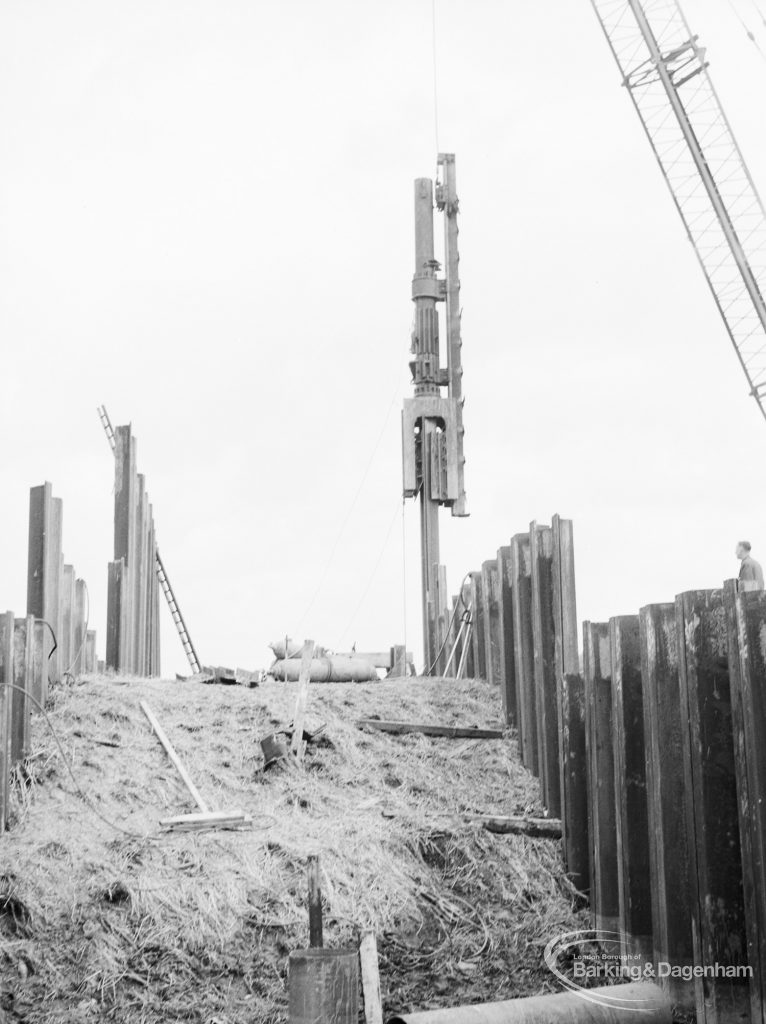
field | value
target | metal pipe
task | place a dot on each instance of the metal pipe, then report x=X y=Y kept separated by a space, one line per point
x=617 y=1004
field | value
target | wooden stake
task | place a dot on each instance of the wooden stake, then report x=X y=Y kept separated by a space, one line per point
x=368 y=959
x=315 y=901
x=160 y=733
x=297 y=745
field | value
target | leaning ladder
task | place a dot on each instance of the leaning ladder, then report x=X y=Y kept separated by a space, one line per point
x=162 y=576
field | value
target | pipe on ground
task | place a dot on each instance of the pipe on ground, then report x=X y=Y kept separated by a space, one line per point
x=635 y=1003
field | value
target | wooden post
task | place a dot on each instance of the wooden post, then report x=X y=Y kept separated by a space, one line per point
x=633 y=874
x=571 y=708
x=523 y=649
x=368 y=960
x=718 y=914
x=505 y=598
x=546 y=675
x=746 y=626
x=666 y=798
x=301 y=702
x=315 y=902
x=7 y=625
x=599 y=755
x=494 y=652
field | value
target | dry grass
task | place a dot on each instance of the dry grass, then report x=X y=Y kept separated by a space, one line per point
x=102 y=925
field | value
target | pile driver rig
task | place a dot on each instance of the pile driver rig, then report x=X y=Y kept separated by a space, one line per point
x=432 y=424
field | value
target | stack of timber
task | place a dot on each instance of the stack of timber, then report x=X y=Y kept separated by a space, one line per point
x=654 y=758
x=133 y=597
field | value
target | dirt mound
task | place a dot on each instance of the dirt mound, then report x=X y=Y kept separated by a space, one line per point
x=105 y=917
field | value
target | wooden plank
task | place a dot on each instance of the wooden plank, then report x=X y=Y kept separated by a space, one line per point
x=368 y=961
x=718 y=920
x=204 y=819
x=301 y=702
x=547 y=828
x=523 y=649
x=505 y=599
x=666 y=798
x=546 y=676
x=453 y=732
x=599 y=756
x=7 y=626
x=494 y=652
x=571 y=708
x=633 y=872
x=746 y=627
x=176 y=760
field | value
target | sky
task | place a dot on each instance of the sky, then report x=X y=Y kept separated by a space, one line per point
x=206 y=225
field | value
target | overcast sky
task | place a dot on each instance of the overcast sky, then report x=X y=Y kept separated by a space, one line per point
x=206 y=224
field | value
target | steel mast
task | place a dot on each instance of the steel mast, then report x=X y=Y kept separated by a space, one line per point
x=665 y=72
x=432 y=425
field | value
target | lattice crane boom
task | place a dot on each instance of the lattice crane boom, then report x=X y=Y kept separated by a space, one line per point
x=666 y=74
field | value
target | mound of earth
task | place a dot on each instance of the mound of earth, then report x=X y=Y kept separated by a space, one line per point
x=106 y=917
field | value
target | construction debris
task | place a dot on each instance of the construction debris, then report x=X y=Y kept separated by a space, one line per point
x=453 y=732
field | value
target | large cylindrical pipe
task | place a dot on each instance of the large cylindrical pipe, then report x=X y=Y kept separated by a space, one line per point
x=617 y=1004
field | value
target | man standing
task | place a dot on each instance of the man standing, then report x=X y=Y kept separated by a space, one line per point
x=750 y=571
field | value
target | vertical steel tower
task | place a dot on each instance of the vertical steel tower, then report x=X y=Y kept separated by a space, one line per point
x=432 y=424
